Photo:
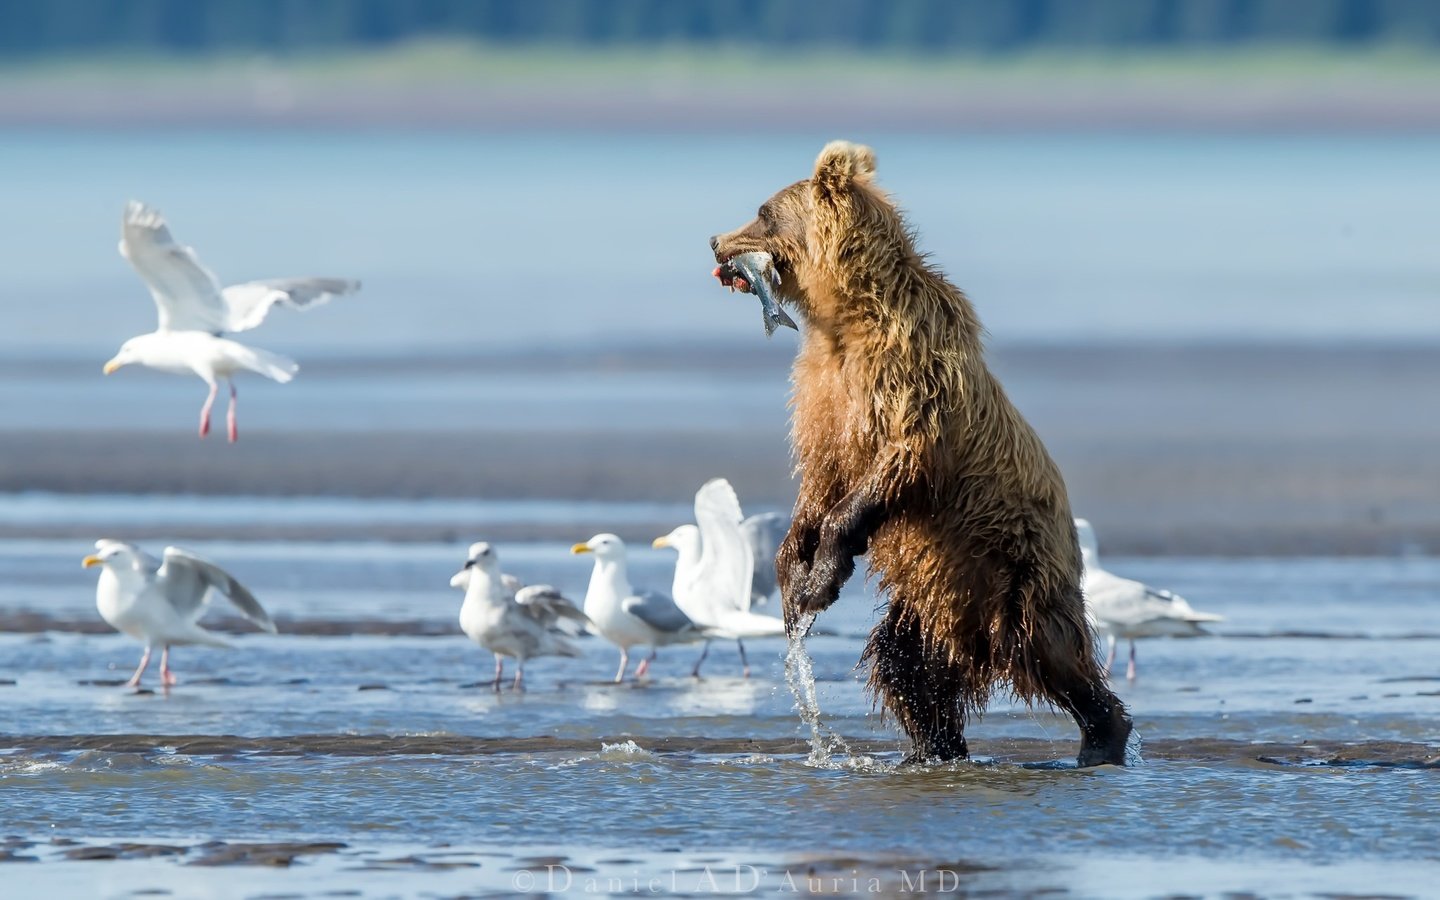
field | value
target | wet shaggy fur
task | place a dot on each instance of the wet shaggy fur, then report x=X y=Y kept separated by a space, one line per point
x=908 y=449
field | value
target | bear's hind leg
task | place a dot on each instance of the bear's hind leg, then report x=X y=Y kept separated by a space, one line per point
x=918 y=685
x=1079 y=688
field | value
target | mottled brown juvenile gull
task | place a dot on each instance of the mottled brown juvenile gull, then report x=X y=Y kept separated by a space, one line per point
x=160 y=602
x=196 y=313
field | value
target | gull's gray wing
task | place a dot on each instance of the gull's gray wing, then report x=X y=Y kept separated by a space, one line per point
x=546 y=605
x=658 y=611
x=764 y=532
x=187 y=577
x=186 y=293
x=248 y=304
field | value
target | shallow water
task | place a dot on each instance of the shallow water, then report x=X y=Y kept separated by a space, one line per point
x=1287 y=754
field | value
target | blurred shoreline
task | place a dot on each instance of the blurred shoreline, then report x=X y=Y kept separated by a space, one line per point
x=1171 y=450
x=444 y=86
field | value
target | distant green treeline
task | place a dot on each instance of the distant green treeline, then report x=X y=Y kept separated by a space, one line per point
x=32 y=28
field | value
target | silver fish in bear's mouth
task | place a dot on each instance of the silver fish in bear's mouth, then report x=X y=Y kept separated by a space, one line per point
x=761 y=279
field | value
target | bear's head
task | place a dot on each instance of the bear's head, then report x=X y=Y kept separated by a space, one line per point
x=810 y=222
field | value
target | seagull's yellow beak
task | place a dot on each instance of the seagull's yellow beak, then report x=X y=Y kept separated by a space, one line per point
x=662 y=541
x=92 y=560
x=111 y=366
x=581 y=548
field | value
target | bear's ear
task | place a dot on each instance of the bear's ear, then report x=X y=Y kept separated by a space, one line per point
x=842 y=163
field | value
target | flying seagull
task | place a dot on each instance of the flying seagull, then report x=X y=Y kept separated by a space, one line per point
x=196 y=312
x=160 y=601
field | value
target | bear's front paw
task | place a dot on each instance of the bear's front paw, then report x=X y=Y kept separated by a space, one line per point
x=792 y=575
x=815 y=594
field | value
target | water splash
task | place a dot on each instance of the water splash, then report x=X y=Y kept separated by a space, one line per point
x=800 y=676
x=622 y=750
x=1133 y=744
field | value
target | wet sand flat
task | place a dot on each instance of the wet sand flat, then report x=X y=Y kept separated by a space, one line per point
x=1377 y=754
x=1228 y=449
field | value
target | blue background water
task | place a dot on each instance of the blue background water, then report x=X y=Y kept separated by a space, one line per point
x=476 y=242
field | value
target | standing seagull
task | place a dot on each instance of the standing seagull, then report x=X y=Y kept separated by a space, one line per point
x=626 y=617
x=508 y=620
x=160 y=602
x=195 y=312
x=714 y=571
x=1123 y=608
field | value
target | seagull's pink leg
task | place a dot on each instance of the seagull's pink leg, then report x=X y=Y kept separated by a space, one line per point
x=644 y=666
x=167 y=677
x=1110 y=660
x=205 y=410
x=499 y=671
x=519 y=675
x=624 y=664
x=233 y=431
x=144 y=664
x=1130 y=670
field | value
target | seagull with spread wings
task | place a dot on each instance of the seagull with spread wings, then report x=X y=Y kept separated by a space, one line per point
x=161 y=601
x=714 y=571
x=196 y=312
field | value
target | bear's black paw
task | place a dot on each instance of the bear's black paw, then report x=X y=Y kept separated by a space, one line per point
x=1107 y=748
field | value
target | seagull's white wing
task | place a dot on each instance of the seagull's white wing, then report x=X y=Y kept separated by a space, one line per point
x=726 y=559
x=247 y=304
x=181 y=566
x=1134 y=609
x=186 y=293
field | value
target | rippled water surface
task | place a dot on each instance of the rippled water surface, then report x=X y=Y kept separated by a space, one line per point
x=1290 y=753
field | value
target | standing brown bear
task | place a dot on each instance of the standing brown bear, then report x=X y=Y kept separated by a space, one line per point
x=908 y=448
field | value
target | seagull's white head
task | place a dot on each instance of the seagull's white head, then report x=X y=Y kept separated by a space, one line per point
x=604 y=546
x=685 y=539
x=1089 y=545
x=482 y=556
x=114 y=554
x=132 y=351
